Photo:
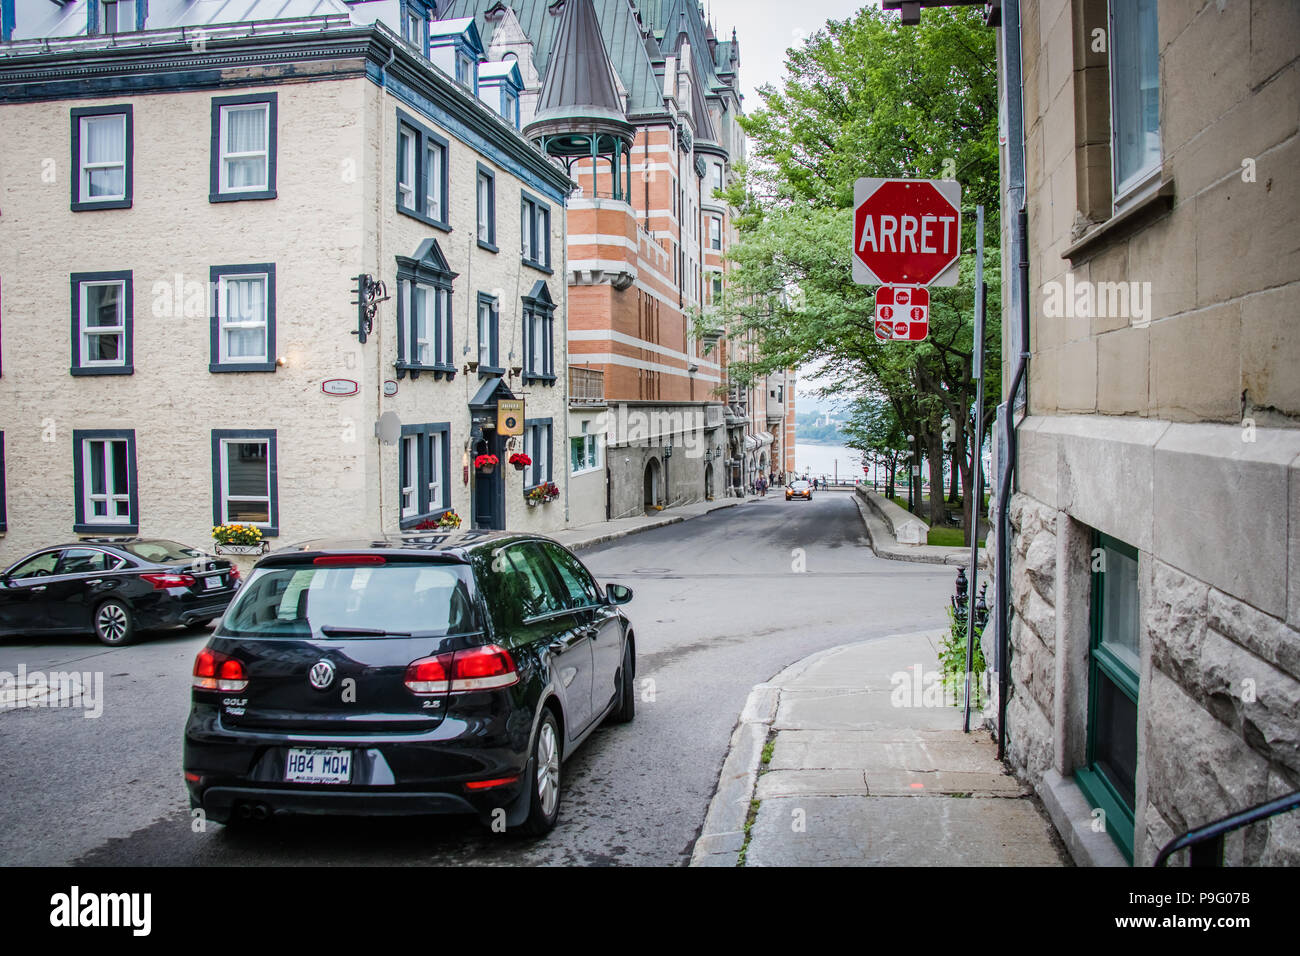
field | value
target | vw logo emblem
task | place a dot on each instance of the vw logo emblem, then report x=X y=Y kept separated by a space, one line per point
x=322 y=675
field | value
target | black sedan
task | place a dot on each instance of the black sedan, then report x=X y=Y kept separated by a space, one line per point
x=113 y=587
x=432 y=674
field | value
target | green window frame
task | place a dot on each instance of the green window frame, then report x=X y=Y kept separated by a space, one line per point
x=1108 y=779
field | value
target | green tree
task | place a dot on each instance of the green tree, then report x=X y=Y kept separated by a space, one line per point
x=866 y=97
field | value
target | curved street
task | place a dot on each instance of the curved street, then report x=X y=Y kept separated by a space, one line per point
x=722 y=602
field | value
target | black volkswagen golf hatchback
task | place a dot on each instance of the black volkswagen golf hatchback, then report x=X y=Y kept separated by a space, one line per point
x=447 y=673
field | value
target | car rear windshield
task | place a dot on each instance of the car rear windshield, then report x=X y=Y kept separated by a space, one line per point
x=426 y=600
x=161 y=551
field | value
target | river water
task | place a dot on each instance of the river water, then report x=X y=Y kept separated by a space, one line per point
x=822 y=460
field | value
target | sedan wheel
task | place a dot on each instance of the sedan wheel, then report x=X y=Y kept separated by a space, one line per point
x=113 y=623
x=545 y=808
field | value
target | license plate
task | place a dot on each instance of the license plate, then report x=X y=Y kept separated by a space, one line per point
x=212 y=583
x=318 y=766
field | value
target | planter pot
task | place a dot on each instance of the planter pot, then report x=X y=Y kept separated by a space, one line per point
x=259 y=548
x=520 y=467
x=487 y=469
x=531 y=503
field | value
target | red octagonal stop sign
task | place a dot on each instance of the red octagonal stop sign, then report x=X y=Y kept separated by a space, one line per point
x=906 y=231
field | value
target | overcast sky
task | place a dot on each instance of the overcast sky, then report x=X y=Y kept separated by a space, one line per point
x=767 y=28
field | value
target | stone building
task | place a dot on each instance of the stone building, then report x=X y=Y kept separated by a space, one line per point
x=638 y=102
x=1155 y=575
x=187 y=206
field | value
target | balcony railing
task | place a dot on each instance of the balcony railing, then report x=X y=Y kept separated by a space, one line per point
x=586 y=386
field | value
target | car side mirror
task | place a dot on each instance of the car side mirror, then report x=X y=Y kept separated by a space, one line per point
x=618 y=593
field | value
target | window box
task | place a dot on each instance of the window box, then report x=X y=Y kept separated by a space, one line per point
x=104 y=479
x=102 y=323
x=260 y=548
x=242 y=323
x=103 y=157
x=244 y=146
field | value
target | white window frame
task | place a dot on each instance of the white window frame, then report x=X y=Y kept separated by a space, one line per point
x=85 y=167
x=223 y=323
x=111 y=496
x=436 y=477
x=442 y=346
x=409 y=504
x=406 y=187
x=591 y=452
x=534 y=449
x=224 y=157
x=1137 y=184
x=715 y=233
x=433 y=186
x=85 y=331
x=483 y=189
x=227 y=497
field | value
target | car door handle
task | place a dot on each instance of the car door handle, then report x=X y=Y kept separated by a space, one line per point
x=568 y=641
x=39 y=587
x=95 y=581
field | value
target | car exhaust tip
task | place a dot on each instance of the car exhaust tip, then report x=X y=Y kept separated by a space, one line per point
x=262 y=812
x=245 y=811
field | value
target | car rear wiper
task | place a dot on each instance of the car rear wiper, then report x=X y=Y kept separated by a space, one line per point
x=335 y=630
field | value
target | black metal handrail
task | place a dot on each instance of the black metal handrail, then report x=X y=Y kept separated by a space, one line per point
x=1206 y=843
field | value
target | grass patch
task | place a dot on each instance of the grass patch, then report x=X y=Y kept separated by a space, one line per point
x=767 y=750
x=946 y=537
x=749 y=826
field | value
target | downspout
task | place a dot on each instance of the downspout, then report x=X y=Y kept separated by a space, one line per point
x=379 y=254
x=1013 y=82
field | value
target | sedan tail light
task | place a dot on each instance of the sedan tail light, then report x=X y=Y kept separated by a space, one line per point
x=216 y=671
x=162 y=582
x=476 y=668
x=233 y=571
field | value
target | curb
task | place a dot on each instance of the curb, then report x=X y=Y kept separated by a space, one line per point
x=616 y=535
x=723 y=833
x=959 y=557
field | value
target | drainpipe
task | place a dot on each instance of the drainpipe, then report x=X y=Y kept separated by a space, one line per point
x=1013 y=82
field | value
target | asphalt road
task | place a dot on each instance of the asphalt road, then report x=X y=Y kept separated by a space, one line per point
x=722 y=602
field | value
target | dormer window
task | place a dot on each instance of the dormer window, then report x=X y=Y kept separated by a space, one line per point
x=413 y=29
x=465 y=71
x=112 y=16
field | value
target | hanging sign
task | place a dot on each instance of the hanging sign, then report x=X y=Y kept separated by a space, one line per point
x=510 y=416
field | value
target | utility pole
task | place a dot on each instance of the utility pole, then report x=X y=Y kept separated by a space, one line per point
x=977 y=371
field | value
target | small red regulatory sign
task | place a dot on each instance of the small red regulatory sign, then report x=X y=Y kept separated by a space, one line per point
x=902 y=313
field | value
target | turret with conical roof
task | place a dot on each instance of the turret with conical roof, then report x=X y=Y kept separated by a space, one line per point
x=579 y=109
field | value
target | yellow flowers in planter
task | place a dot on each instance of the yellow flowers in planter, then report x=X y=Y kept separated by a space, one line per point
x=237 y=534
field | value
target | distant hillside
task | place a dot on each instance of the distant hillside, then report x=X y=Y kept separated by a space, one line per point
x=807 y=429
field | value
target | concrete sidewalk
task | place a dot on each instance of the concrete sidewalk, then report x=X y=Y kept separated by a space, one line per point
x=590 y=535
x=885 y=545
x=860 y=772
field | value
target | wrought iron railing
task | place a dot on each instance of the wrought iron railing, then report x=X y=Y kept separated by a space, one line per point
x=1205 y=844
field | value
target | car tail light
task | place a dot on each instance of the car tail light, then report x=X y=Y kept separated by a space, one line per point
x=483 y=668
x=429 y=675
x=477 y=668
x=233 y=571
x=489 y=784
x=350 y=560
x=216 y=671
x=162 y=582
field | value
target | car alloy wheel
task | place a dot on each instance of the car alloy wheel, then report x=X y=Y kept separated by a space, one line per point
x=113 y=624
x=545 y=782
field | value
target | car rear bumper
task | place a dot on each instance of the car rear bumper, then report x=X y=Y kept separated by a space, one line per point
x=392 y=774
